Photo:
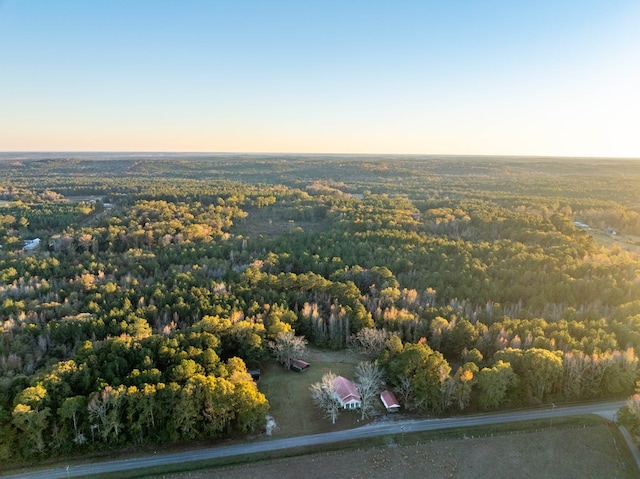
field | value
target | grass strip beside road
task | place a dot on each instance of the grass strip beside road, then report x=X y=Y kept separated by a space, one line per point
x=390 y=440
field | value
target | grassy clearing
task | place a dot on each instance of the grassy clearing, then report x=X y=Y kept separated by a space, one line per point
x=629 y=243
x=290 y=400
x=626 y=242
x=268 y=223
x=89 y=198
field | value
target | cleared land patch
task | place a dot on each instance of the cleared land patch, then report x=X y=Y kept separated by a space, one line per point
x=290 y=399
x=269 y=223
x=625 y=242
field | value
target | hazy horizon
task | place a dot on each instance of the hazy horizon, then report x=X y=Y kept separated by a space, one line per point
x=414 y=77
x=80 y=154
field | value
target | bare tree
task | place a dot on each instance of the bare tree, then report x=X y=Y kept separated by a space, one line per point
x=70 y=409
x=404 y=388
x=370 y=341
x=448 y=393
x=105 y=408
x=370 y=380
x=324 y=396
x=287 y=347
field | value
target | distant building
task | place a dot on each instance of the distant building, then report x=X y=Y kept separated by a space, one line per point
x=347 y=393
x=30 y=245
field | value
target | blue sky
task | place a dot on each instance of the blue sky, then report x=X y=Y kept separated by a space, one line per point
x=558 y=78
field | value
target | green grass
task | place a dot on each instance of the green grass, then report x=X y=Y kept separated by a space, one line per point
x=290 y=399
x=629 y=243
x=267 y=222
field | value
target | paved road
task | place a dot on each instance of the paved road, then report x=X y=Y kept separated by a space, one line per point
x=607 y=409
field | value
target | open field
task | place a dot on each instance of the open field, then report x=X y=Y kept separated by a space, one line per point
x=88 y=198
x=630 y=243
x=290 y=400
x=267 y=223
x=594 y=451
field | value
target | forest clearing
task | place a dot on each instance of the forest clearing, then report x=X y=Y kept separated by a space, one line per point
x=288 y=394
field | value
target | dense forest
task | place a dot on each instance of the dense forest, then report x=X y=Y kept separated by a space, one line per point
x=478 y=283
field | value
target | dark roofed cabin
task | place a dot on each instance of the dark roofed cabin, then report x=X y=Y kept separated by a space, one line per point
x=299 y=365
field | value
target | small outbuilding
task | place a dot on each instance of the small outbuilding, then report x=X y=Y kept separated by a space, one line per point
x=299 y=365
x=389 y=400
x=30 y=245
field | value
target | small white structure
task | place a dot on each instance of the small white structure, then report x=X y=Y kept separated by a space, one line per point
x=271 y=425
x=347 y=393
x=30 y=245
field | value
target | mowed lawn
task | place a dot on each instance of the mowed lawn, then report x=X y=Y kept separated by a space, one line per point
x=290 y=399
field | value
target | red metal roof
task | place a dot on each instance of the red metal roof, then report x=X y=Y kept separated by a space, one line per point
x=389 y=400
x=346 y=390
x=300 y=363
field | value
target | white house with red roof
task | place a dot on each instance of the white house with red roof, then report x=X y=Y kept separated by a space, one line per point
x=389 y=401
x=346 y=393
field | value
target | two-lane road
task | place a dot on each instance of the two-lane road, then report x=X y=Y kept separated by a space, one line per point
x=607 y=409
